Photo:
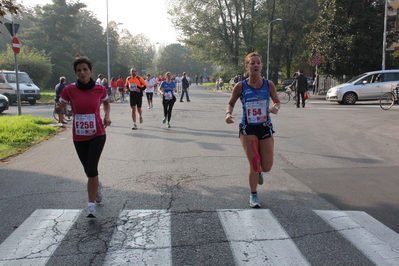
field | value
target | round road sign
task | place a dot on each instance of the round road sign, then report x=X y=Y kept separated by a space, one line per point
x=317 y=60
x=16 y=47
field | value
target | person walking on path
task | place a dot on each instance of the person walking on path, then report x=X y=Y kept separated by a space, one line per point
x=149 y=92
x=302 y=86
x=185 y=86
x=256 y=128
x=104 y=82
x=58 y=89
x=88 y=129
x=136 y=85
x=166 y=90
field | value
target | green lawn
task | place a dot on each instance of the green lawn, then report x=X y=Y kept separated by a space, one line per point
x=47 y=96
x=18 y=133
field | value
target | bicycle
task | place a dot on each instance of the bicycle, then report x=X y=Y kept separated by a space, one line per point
x=68 y=114
x=286 y=95
x=389 y=98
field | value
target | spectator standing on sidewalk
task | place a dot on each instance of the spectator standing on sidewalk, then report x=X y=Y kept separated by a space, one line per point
x=302 y=86
x=185 y=86
x=136 y=85
x=113 y=86
x=104 y=82
x=256 y=128
x=99 y=79
x=86 y=98
x=58 y=89
x=238 y=78
x=120 y=84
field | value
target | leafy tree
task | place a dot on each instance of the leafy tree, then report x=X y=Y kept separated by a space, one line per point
x=347 y=36
x=224 y=31
x=23 y=22
x=176 y=58
x=288 y=42
x=36 y=64
x=220 y=31
x=7 y=6
x=54 y=31
x=91 y=41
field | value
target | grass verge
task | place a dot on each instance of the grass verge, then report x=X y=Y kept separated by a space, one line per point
x=46 y=97
x=19 y=133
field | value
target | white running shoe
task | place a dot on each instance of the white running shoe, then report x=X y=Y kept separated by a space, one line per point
x=91 y=210
x=254 y=201
x=99 y=197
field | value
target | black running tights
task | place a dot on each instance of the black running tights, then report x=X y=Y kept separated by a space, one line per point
x=167 y=107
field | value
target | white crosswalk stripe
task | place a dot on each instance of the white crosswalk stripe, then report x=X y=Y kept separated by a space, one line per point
x=377 y=242
x=143 y=237
x=37 y=238
x=253 y=243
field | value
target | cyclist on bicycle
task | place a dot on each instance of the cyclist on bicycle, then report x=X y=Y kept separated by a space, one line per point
x=58 y=88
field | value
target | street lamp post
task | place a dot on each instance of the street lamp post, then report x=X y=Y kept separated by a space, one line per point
x=268 y=46
x=108 y=56
x=108 y=48
x=384 y=39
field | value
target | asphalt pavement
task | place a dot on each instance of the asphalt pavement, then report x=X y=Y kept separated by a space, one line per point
x=179 y=195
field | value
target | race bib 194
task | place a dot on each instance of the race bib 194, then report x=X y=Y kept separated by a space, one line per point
x=256 y=112
x=85 y=125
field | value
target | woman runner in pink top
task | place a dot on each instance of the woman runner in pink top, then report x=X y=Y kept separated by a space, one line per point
x=88 y=129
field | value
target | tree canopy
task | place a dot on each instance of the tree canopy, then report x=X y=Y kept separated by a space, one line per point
x=348 y=35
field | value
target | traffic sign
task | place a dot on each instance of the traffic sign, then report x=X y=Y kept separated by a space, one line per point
x=317 y=60
x=12 y=28
x=16 y=47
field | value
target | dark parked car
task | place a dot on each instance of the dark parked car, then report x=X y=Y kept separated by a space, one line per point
x=286 y=82
x=3 y=103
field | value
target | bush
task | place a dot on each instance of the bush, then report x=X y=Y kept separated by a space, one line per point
x=37 y=64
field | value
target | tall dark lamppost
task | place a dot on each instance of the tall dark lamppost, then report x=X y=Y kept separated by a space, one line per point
x=108 y=52
x=384 y=39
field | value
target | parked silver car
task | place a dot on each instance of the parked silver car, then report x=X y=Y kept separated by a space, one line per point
x=366 y=87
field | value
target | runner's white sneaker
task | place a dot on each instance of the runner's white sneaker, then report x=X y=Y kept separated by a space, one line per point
x=254 y=201
x=91 y=210
x=99 y=197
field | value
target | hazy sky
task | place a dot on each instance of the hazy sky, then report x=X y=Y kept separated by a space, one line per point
x=138 y=16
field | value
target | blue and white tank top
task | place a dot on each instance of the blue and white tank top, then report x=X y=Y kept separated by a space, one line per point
x=168 y=89
x=255 y=104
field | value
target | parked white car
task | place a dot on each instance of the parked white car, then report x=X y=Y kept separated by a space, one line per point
x=366 y=87
x=8 y=87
